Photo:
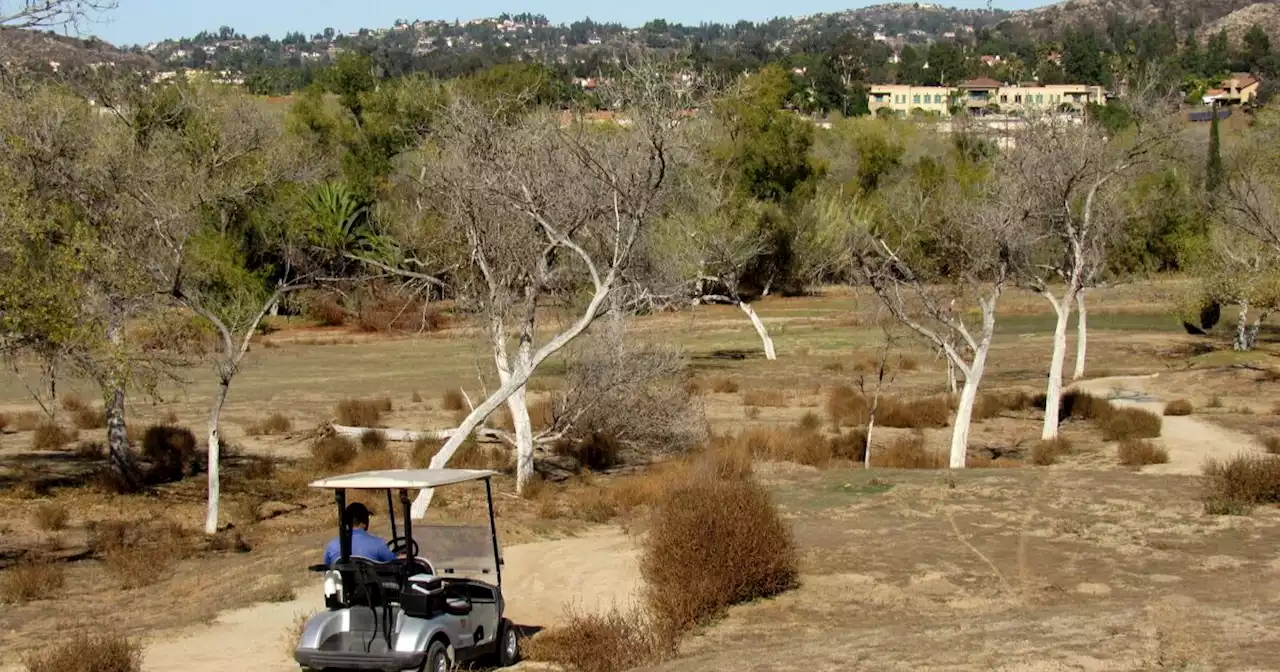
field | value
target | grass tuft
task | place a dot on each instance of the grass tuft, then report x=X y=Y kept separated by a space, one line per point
x=49 y=436
x=610 y=642
x=362 y=412
x=50 y=517
x=30 y=581
x=1235 y=485
x=88 y=650
x=770 y=398
x=373 y=441
x=724 y=386
x=276 y=423
x=1046 y=453
x=1272 y=444
x=1130 y=423
x=908 y=452
x=453 y=400
x=331 y=453
x=1140 y=453
x=1179 y=407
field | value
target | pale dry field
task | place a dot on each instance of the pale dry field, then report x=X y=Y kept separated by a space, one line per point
x=1081 y=565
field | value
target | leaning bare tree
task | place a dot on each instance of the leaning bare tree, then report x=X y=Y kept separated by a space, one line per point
x=551 y=213
x=1071 y=174
x=45 y=14
x=981 y=236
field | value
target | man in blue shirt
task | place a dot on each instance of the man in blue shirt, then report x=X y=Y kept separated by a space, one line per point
x=363 y=544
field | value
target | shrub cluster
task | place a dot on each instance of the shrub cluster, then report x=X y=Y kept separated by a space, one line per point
x=1141 y=452
x=846 y=407
x=1235 y=485
x=88 y=650
x=362 y=412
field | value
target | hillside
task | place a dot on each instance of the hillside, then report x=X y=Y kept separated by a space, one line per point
x=1052 y=19
x=50 y=52
x=1237 y=23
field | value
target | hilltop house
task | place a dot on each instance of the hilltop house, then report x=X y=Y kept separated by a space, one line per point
x=1238 y=89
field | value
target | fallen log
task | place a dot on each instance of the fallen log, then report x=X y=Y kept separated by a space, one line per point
x=413 y=436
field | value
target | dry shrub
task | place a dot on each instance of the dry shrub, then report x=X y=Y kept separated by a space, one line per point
x=592 y=505
x=72 y=403
x=798 y=445
x=373 y=441
x=1082 y=406
x=992 y=404
x=422 y=452
x=325 y=310
x=91 y=450
x=88 y=417
x=50 y=517
x=926 y=412
x=88 y=650
x=1178 y=407
x=833 y=367
x=140 y=554
x=1130 y=423
x=5 y=421
x=453 y=400
x=724 y=385
x=376 y=460
x=293 y=634
x=534 y=488
x=846 y=407
x=276 y=423
x=1046 y=453
x=29 y=581
x=27 y=421
x=714 y=542
x=611 y=642
x=598 y=451
x=277 y=590
x=695 y=387
x=399 y=314
x=416 y=397
x=49 y=436
x=1272 y=444
x=362 y=412
x=1140 y=453
x=809 y=422
x=908 y=452
x=1235 y=485
x=908 y=363
x=774 y=398
x=172 y=452
x=1215 y=402
x=851 y=445
x=333 y=452
x=751 y=412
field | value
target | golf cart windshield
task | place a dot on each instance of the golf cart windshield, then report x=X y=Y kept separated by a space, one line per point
x=463 y=551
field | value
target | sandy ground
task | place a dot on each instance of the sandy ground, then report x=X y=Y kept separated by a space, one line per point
x=1189 y=440
x=541 y=580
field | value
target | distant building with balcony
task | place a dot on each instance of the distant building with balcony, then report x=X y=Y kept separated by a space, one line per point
x=1238 y=89
x=981 y=96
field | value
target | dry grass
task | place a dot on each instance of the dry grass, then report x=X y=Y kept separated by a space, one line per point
x=908 y=452
x=31 y=581
x=88 y=650
x=1130 y=423
x=1140 y=453
x=1082 y=406
x=1179 y=407
x=1214 y=402
x=277 y=591
x=331 y=453
x=27 y=421
x=611 y=642
x=593 y=505
x=1046 y=453
x=846 y=407
x=276 y=423
x=770 y=398
x=724 y=385
x=172 y=451
x=1272 y=444
x=49 y=436
x=1235 y=485
x=140 y=555
x=362 y=412
x=809 y=422
x=290 y=637
x=453 y=400
x=5 y=421
x=324 y=310
x=50 y=517
x=994 y=404
x=714 y=541
x=88 y=417
x=376 y=460
x=416 y=398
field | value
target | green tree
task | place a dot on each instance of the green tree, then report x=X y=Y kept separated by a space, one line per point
x=1213 y=168
x=767 y=147
x=1217 y=56
x=1257 y=49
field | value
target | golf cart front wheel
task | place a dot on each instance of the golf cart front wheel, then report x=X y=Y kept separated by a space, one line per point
x=437 y=658
x=508 y=644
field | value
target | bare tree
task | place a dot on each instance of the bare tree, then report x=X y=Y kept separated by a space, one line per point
x=546 y=208
x=982 y=238
x=1071 y=173
x=873 y=376
x=45 y=14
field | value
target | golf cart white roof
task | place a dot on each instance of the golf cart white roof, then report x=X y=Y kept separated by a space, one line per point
x=394 y=479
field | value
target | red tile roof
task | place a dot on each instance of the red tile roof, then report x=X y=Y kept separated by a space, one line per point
x=980 y=83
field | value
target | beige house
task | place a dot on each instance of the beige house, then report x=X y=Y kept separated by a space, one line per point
x=1238 y=89
x=986 y=95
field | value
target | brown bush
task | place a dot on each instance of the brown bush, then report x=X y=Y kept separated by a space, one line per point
x=851 y=445
x=276 y=423
x=774 y=398
x=1178 y=407
x=1140 y=453
x=91 y=450
x=1130 y=423
x=399 y=314
x=140 y=554
x=908 y=452
x=1215 y=402
x=27 y=421
x=992 y=404
x=376 y=460
x=453 y=400
x=325 y=310
x=924 y=413
x=72 y=403
x=611 y=642
x=172 y=451
x=1082 y=406
x=597 y=452
x=29 y=581
x=1272 y=444
x=373 y=441
x=88 y=650
x=49 y=436
x=88 y=417
x=1235 y=485
x=809 y=422
x=714 y=542
x=277 y=590
x=50 y=517
x=416 y=397
x=331 y=453
x=5 y=421
x=362 y=412
x=724 y=386
x=846 y=407
x=1046 y=453
x=592 y=505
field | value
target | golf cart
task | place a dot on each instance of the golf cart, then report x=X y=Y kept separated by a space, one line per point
x=424 y=611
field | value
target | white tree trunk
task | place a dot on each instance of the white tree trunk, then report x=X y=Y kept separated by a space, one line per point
x=1252 y=340
x=1242 y=328
x=518 y=404
x=972 y=380
x=871 y=425
x=1082 y=336
x=769 y=352
x=951 y=374
x=1053 y=389
x=215 y=449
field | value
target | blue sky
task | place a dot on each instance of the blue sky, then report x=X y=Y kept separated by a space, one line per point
x=142 y=21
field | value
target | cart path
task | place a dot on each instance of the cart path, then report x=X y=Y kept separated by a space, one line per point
x=1189 y=440
x=592 y=571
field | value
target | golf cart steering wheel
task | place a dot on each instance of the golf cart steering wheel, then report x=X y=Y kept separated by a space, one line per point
x=404 y=545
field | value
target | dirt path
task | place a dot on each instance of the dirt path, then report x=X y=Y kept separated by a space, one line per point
x=591 y=571
x=1189 y=440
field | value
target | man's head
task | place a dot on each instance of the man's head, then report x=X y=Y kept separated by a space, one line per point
x=357 y=516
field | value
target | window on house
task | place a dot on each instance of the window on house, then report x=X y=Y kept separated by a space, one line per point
x=915 y=100
x=1004 y=99
x=1017 y=98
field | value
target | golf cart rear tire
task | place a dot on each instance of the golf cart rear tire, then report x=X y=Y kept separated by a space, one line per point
x=508 y=652
x=436 y=653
